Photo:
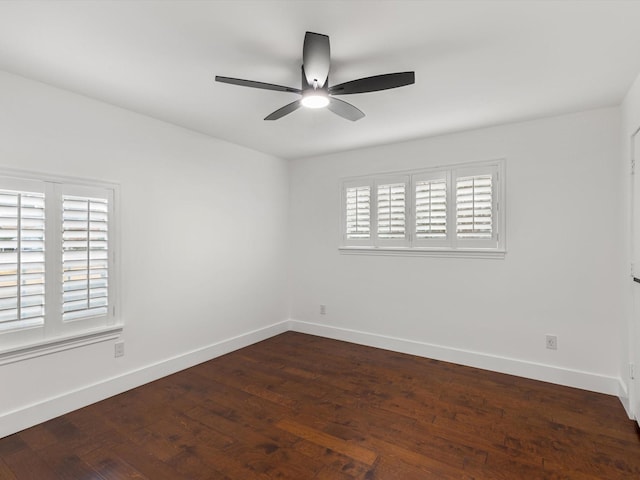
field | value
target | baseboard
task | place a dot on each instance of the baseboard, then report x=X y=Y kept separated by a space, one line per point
x=623 y=395
x=30 y=415
x=33 y=414
x=536 y=371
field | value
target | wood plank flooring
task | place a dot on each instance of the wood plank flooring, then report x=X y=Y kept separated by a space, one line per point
x=303 y=407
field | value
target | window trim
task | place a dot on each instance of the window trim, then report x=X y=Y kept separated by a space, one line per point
x=59 y=344
x=58 y=338
x=424 y=252
x=452 y=246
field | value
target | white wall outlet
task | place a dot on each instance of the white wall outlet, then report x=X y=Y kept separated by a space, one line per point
x=323 y=309
x=119 y=349
x=552 y=342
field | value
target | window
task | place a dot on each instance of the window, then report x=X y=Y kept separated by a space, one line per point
x=391 y=206
x=474 y=209
x=57 y=265
x=453 y=210
x=85 y=257
x=430 y=206
x=22 y=265
x=358 y=212
x=476 y=199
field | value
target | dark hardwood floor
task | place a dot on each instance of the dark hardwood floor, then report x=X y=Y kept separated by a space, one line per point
x=302 y=407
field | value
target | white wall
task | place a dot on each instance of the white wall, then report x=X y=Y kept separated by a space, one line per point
x=630 y=110
x=203 y=243
x=563 y=273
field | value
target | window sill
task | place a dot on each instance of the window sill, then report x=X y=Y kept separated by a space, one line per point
x=53 y=345
x=424 y=252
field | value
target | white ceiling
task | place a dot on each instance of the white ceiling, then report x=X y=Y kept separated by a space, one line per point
x=477 y=63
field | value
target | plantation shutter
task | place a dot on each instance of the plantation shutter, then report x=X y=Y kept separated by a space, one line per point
x=431 y=208
x=22 y=262
x=457 y=209
x=358 y=212
x=391 y=210
x=474 y=207
x=85 y=257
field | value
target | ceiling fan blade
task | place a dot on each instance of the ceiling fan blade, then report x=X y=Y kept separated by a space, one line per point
x=253 y=84
x=374 y=84
x=316 y=58
x=286 y=110
x=344 y=109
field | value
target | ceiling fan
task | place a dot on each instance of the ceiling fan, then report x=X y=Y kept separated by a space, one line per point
x=315 y=90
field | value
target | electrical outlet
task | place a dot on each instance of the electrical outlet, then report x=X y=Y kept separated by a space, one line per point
x=323 y=309
x=552 y=342
x=119 y=349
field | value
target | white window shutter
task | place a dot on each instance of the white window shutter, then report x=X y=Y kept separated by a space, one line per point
x=85 y=257
x=457 y=209
x=22 y=262
x=358 y=212
x=57 y=238
x=431 y=209
x=474 y=207
x=391 y=211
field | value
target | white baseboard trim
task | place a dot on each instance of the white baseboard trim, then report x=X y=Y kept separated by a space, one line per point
x=537 y=371
x=33 y=414
x=623 y=395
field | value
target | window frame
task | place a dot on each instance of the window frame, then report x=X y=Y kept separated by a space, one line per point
x=55 y=334
x=451 y=246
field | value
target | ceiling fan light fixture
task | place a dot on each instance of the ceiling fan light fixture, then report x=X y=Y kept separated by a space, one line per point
x=315 y=99
x=315 y=90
